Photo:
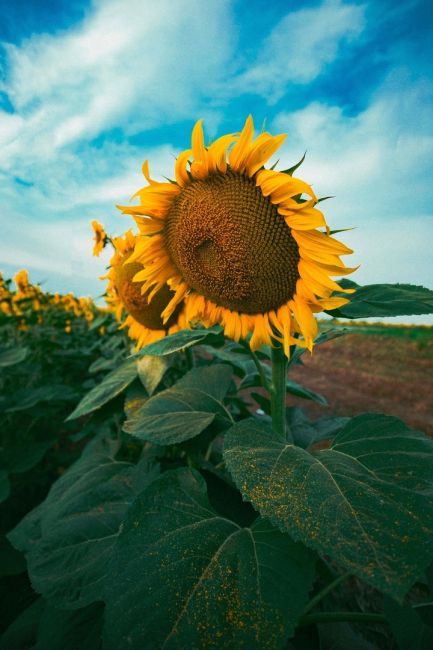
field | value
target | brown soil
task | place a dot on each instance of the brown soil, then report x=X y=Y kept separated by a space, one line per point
x=376 y=373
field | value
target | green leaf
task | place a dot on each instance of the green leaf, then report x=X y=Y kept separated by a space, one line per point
x=18 y=458
x=5 y=486
x=296 y=389
x=385 y=300
x=180 y=341
x=409 y=629
x=306 y=432
x=213 y=380
x=21 y=634
x=27 y=398
x=233 y=354
x=69 y=630
x=12 y=356
x=185 y=410
x=111 y=386
x=69 y=538
x=185 y=577
x=365 y=501
x=151 y=370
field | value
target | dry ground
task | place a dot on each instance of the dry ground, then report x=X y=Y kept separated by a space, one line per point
x=372 y=372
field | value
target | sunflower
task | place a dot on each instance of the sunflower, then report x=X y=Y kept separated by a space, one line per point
x=143 y=319
x=22 y=281
x=238 y=244
x=100 y=237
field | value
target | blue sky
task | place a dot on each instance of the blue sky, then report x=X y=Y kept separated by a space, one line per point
x=88 y=90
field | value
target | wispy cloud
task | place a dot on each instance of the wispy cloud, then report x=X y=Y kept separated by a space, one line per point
x=138 y=64
x=300 y=47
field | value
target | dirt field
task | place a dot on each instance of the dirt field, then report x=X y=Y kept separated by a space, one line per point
x=382 y=373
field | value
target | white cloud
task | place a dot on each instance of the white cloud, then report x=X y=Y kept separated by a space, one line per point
x=300 y=47
x=139 y=64
x=378 y=162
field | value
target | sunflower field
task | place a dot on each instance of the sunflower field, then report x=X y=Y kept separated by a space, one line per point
x=159 y=488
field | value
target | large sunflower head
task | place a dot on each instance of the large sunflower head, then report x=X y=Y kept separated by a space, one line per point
x=241 y=245
x=143 y=316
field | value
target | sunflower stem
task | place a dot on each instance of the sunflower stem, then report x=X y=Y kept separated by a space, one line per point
x=325 y=591
x=278 y=393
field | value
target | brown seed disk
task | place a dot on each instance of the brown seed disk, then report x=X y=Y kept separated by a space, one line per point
x=136 y=303
x=230 y=244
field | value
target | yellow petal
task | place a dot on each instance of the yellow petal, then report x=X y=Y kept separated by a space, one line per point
x=263 y=148
x=318 y=241
x=305 y=219
x=181 y=174
x=217 y=153
x=241 y=149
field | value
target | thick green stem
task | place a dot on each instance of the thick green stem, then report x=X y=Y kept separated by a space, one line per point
x=335 y=617
x=325 y=591
x=278 y=393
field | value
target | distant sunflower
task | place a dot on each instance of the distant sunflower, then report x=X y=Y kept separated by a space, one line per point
x=100 y=237
x=237 y=243
x=22 y=281
x=143 y=320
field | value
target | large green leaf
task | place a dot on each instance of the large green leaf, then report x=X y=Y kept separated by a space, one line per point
x=185 y=410
x=181 y=340
x=26 y=398
x=366 y=501
x=213 y=380
x=183 y=576
x=385 y=300
x=12 y=356
x=111 y=386
x=68 y=539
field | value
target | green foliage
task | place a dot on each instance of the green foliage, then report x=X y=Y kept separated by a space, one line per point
x=194 y=578
x=75 y=528
x=385 y=300
x=185 y=410
x=110 y=387
x=376 y=474
x=181 y=341
x=12 y=356
x=178 y=520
